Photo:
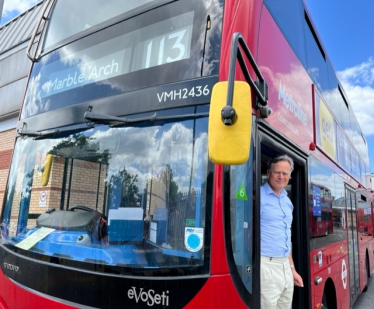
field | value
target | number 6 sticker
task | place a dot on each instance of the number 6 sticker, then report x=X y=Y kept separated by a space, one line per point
x=241 y=194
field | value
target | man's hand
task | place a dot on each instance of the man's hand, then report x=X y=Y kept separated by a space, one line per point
x=298 y=281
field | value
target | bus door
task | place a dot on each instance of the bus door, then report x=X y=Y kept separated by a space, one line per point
x=271 y=147
x=354 y=274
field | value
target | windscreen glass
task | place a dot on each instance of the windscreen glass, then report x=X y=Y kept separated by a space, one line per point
x=76 y=17
x=241 y=218
x=133 y=196
x=176 y=42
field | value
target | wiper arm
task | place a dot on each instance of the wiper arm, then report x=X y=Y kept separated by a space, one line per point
x=105 y=119
x=39 y=135
x=114 y=121
x=29 y=133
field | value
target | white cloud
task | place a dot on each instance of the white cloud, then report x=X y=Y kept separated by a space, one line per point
x=358 y=83
x=15 y=7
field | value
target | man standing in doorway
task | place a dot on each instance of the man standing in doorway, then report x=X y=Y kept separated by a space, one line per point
x=278 y=274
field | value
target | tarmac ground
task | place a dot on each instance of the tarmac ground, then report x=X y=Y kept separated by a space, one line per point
x=366 y=299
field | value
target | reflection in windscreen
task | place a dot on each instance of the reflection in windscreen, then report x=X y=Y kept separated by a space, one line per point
x=327 y=215
x=133 y=196
x=70 y=16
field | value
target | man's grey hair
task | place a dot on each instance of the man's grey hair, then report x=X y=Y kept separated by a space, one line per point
x=279 y=159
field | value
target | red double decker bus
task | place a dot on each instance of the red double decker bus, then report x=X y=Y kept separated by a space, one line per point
x=141 y=147
x=365 y=217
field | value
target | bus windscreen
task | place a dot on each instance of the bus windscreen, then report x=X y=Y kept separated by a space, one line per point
x=129 y=196
x=155 y=47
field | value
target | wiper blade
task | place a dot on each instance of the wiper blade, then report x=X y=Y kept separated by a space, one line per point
x=43 y=134
x=114 y=121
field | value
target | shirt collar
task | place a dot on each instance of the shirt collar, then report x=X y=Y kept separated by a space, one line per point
x=269 y=190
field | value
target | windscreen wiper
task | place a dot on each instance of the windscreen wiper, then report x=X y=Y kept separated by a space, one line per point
x=42 y=134
x=114 y=121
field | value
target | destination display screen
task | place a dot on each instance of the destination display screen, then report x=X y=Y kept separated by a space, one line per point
x=160 y=43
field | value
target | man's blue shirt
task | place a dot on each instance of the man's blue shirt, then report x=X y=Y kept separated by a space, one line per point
x=275 y=220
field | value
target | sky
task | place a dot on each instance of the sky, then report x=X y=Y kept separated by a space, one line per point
x=13 y=8
x=346 y=29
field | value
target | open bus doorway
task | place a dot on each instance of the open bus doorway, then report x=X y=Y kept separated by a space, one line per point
x=297 y=192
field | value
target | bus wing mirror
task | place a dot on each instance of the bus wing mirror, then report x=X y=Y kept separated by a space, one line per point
x=47 y=169
x=229 y=143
